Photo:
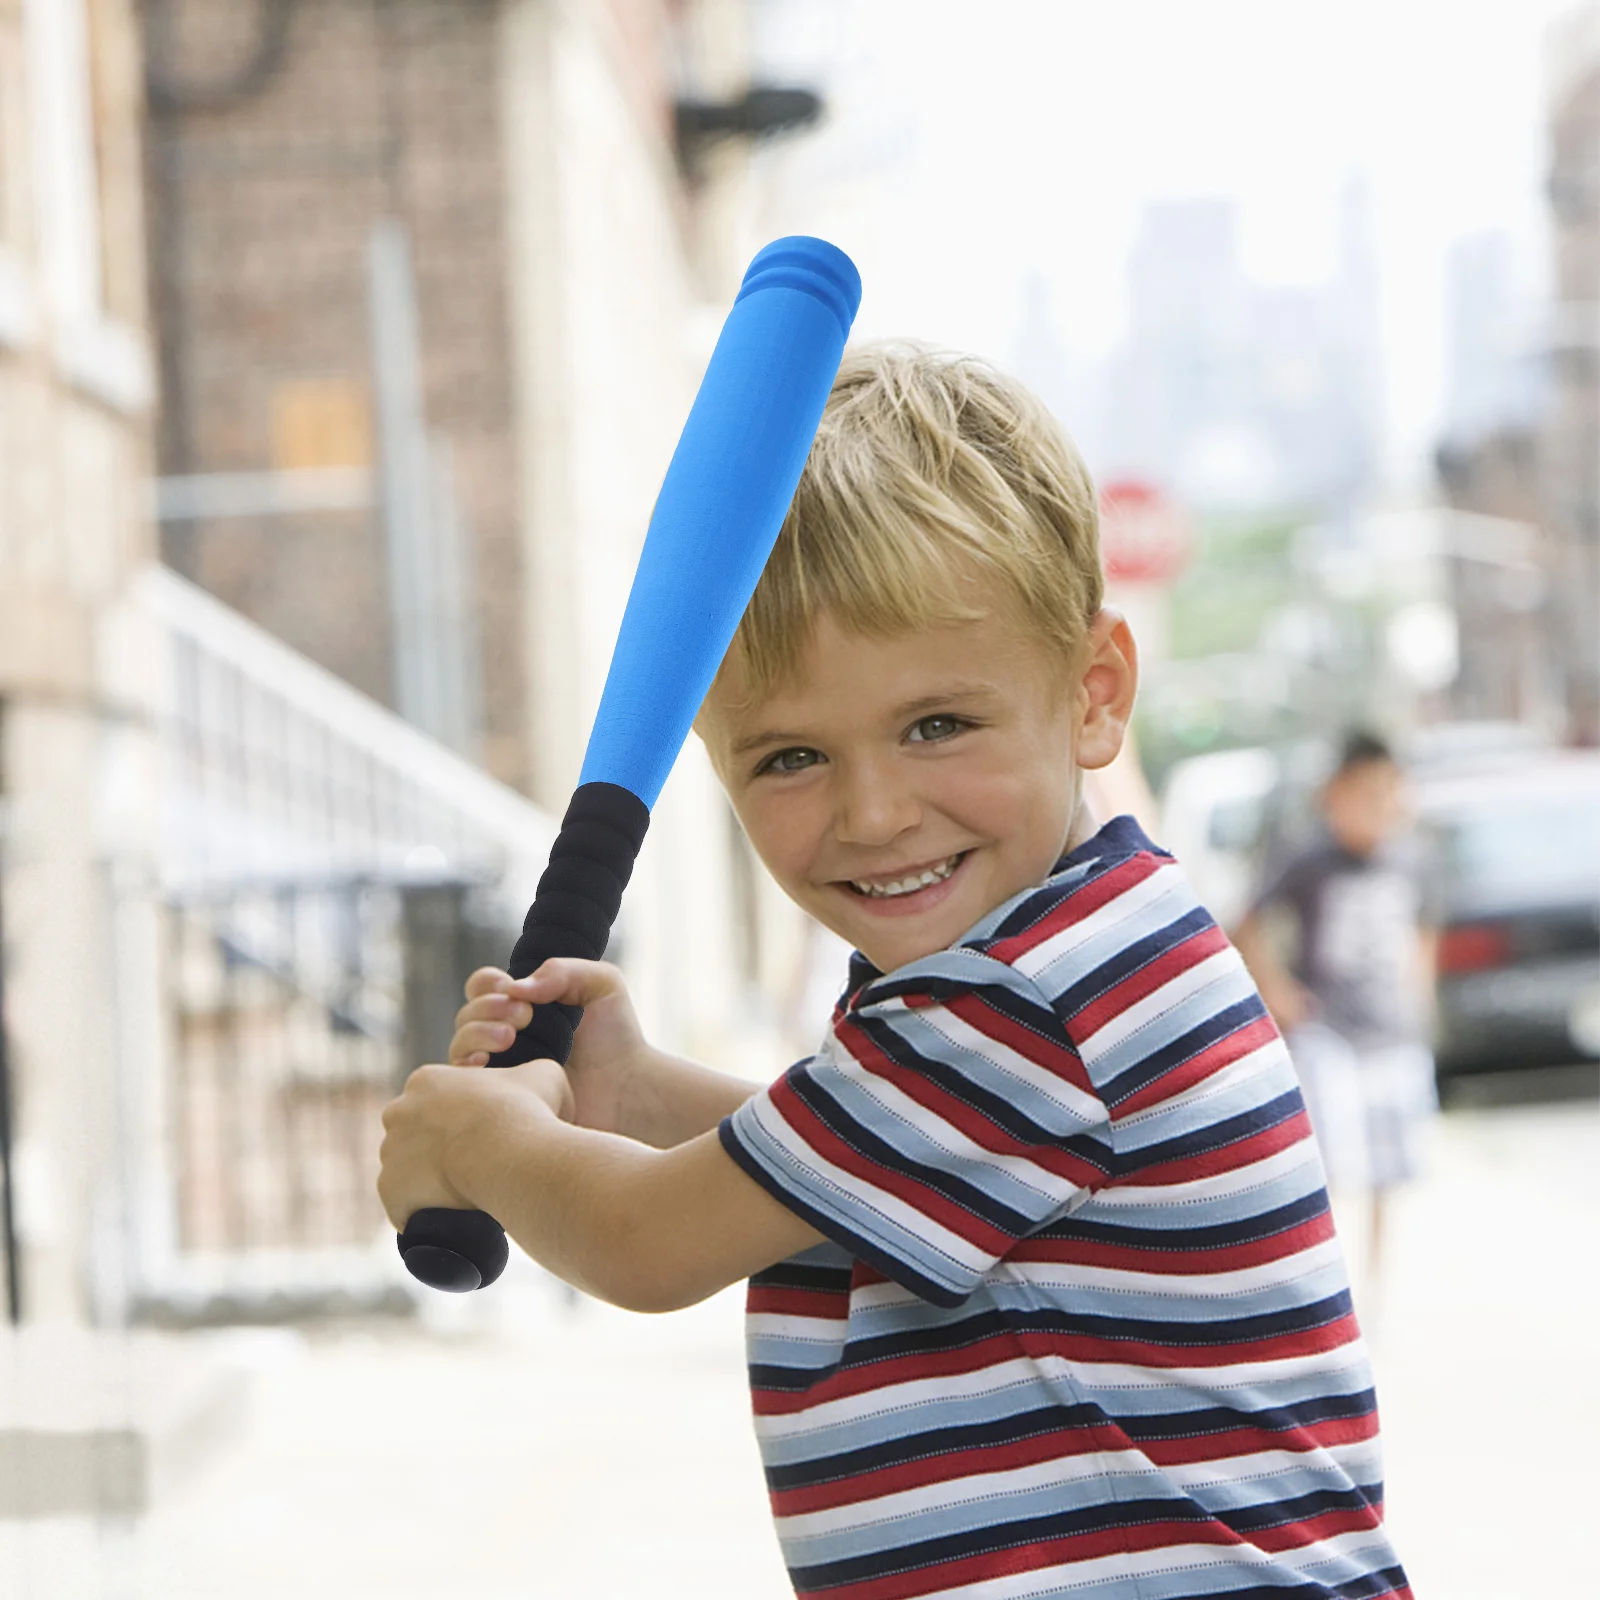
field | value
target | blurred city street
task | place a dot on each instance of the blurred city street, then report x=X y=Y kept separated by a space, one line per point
x=534 y=1450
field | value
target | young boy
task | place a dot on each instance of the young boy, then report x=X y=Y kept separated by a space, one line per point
x=1354 y=997
x=1045 y=1297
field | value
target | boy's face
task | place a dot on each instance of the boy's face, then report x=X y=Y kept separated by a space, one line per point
x=1365 y=805
x=899 y=789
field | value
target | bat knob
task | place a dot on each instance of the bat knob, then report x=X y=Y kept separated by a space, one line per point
x=457 y=1251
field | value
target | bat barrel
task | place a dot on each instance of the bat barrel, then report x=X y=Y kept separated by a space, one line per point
x=721 y=505
x=724 y=498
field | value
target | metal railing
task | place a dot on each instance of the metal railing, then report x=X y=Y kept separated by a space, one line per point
x=327 y=877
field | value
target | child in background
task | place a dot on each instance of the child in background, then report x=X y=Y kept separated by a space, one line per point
x=1044 y=1294
x=1354 y=997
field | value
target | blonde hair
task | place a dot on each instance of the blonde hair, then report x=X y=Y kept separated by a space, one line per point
x=930 y=472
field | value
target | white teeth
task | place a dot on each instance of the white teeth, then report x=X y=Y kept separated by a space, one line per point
x=898 y=886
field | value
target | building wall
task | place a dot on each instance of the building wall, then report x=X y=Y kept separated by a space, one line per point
x=262 y=205
x=569 y=286
x=74 y=749
x=607 y=352
x=1497 y=571
x=1571 y=442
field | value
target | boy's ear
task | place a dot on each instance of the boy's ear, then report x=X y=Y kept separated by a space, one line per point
x=1107 y=688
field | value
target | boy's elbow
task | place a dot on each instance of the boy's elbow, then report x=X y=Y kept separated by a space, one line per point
x=646 y=1274
x=656 y=1299
x=645 y=1289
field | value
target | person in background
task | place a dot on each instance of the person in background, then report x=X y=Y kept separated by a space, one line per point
x=1339 y=944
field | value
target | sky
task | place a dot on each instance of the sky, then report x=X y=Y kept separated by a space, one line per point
x=971 y=145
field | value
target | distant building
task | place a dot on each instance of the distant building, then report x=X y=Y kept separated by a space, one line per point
x=1495 y=561
x=1521 y=452
x=1492 y=375
x=1235 y=393
x=1570 y=439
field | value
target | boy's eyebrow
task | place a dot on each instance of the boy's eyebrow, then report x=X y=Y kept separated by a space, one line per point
x=752 y=741
x=908 y=708
x=942 y=696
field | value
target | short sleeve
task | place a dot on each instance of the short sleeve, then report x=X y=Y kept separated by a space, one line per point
x=946 y=1117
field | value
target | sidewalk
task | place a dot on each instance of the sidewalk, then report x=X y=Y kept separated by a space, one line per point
x=559 y=1452
x=1485 y=1351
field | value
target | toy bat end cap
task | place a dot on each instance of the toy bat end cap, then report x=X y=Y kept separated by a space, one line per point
x=456 y=1251
x=814 y=267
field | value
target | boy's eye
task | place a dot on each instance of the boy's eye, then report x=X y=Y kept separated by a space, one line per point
x=929 y=730
x=795 y=759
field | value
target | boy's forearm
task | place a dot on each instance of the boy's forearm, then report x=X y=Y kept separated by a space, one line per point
x=676 y=1100
x=646 y=1229
x=548 y=1183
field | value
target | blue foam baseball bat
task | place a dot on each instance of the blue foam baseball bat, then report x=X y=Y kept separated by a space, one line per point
x=723 y=500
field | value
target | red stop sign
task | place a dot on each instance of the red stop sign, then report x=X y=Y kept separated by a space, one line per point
x=1144 y=536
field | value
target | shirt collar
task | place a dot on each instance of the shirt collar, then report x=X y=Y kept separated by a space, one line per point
x=1121 y=836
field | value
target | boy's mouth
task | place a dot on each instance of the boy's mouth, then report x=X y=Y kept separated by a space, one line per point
x=907 y=883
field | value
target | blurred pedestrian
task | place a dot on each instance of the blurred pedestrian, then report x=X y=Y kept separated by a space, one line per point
x=1352 y=993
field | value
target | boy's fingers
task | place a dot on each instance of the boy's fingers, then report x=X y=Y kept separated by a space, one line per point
x=495 y=980
x=479 y=1038
x=495 y=1008
x=576 y=983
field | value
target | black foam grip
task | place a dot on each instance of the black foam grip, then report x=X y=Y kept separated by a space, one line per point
x=571 y=915
x=576 y=903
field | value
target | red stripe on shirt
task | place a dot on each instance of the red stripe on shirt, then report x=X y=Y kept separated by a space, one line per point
x=1054 y=1055
x=818 y=1137
x=965 y=1117
x=1145 y=1353
x=1130 y=1258
x=1082 y=903
x=826 y=1305
x=1058 y=1445
x=1144 y=982
x=1251 y=1441
x=1218 y=1054
x=1235 y=1157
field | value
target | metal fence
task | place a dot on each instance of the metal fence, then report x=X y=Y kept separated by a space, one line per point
x=328 y=876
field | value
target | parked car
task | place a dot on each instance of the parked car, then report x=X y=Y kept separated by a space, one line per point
x=1517 y=853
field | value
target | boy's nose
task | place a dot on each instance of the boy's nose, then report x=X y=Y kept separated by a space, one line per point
x=874 y=810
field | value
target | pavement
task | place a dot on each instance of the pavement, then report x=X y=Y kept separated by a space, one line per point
x=524 y=1447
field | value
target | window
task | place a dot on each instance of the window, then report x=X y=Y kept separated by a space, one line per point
x=102 y=356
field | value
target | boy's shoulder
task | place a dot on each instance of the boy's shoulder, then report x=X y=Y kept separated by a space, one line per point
x=1100 y=872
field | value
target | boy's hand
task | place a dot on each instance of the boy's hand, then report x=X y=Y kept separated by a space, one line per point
x=608 y=1050
x=445 y=1125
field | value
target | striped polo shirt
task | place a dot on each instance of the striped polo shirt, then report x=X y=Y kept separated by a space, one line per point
x=1082 y=1326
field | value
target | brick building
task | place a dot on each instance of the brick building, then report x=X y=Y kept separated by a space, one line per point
x=279 y=135
x=1524 y=561
x=526 y=150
